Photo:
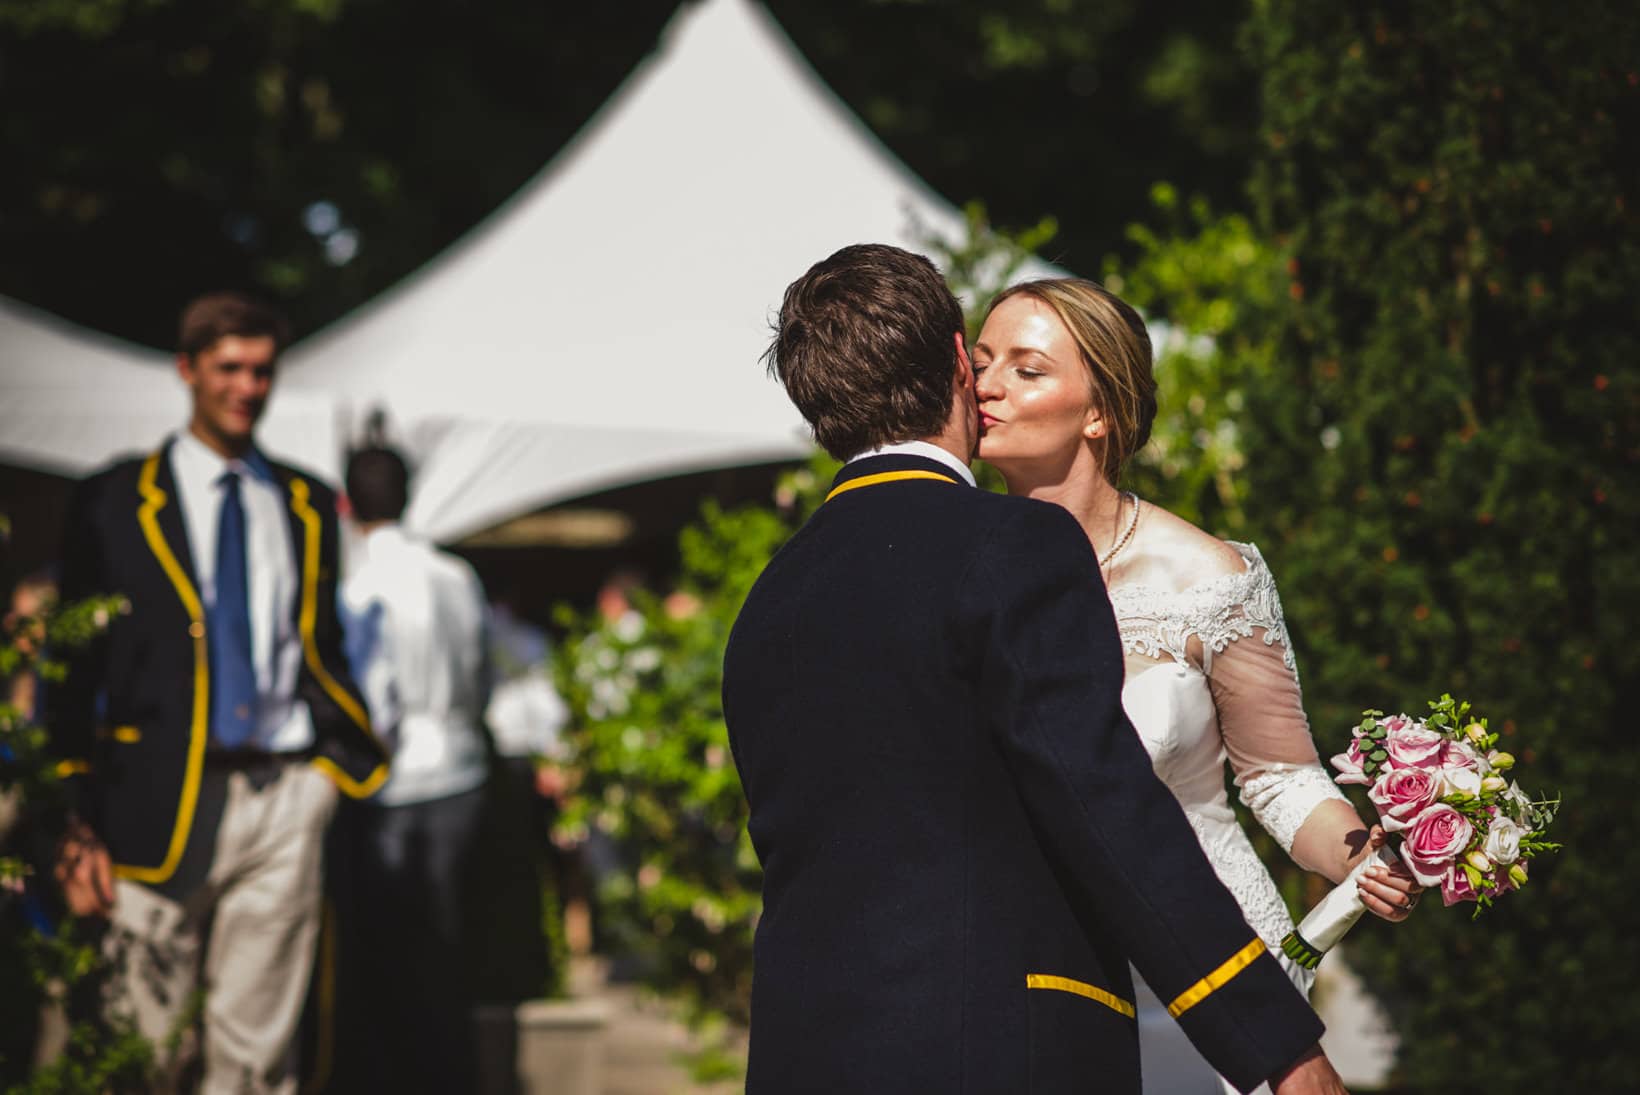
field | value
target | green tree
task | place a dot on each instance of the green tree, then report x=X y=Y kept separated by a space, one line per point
x=1077 y=106
x=62 y=962
x=1210 y=287
x=1444 y=449
x=278 y=146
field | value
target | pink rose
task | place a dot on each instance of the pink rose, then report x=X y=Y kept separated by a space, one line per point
x=1396 y=723
x=1456 y=754
x=1433 y=841
x=1414 y=747
x=1401 y=794
x=1351 y=765
x=1456 y=887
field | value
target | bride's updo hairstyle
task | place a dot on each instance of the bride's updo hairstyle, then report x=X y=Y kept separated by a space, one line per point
x=1115 y=349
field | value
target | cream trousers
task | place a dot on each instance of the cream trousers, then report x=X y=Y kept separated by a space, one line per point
x=238 y=951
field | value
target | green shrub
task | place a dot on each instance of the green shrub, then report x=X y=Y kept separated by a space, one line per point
x=66 y=963
x=651 y=750
x=1442 y=466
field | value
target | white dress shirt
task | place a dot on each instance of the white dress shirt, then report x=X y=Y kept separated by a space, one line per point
x=426 y=674
x=919 y=448
x=283 y=722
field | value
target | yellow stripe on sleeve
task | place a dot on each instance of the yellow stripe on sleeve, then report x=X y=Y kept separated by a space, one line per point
x=1216 y=980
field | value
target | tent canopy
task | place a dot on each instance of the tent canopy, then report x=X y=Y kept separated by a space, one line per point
x=604 y=327
x=606 y=324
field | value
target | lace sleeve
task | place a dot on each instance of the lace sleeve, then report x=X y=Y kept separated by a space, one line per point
x=1254 y=681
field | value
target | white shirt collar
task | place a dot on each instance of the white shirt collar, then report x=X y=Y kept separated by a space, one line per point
x=208 y=465
x=919 y=448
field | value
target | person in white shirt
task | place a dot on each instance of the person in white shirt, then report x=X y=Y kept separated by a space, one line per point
x=416 y=621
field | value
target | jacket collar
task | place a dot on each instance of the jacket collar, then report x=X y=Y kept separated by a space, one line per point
x=926 y=467
x=160 y=513
x=926 y=449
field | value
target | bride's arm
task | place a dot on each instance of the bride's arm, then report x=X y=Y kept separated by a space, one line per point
x=1274 y=759
x=1272 y=753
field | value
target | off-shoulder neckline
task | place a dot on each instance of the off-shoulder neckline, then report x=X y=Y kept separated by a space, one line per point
x=1251 y=557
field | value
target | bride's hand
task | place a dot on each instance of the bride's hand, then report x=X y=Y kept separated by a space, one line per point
x=1387 y=892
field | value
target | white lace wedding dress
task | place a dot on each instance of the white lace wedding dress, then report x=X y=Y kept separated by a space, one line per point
x=1211 y=679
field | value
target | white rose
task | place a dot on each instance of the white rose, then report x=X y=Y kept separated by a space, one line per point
x=1461 y=781
x=1503 y=841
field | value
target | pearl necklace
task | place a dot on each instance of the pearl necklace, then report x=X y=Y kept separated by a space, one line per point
x=1127 y=534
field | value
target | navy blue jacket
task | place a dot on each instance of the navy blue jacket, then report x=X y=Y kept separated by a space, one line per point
x=130 y=723
x=963 y=841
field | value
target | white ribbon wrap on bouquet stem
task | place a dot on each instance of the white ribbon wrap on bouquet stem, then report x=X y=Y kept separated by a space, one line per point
x=1333 y=915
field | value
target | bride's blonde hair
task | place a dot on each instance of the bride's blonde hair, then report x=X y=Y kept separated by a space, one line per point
x=1115 y=349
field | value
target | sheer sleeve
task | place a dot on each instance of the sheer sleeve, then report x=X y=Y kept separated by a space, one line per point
x=1254 y=681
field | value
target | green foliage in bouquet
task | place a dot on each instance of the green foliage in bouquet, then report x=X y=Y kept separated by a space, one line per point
x=36 y=967
x=1442 y=466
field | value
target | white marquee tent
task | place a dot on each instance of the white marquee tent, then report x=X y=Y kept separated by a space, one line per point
x=603 y=327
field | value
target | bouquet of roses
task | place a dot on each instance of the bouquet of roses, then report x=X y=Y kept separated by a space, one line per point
x=1439 y=784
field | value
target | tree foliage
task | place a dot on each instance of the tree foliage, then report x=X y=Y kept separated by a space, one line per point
x=157 y=148
x=1444 y=453
x=44 y=956
x=1074 y=106
x=1210 y=287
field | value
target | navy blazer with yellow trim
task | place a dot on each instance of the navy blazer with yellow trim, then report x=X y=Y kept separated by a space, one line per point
x=963 y=841
x=131 y=722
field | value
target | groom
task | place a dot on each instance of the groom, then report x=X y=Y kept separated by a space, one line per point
x=963 y=841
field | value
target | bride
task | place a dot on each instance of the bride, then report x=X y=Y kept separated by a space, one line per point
x=1066 y=396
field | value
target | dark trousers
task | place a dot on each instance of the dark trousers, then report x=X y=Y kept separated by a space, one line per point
x=414 y=988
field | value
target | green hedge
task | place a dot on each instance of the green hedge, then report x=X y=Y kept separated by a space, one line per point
x=1442 y=461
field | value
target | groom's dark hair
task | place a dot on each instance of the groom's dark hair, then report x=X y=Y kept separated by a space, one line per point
x=864 y=346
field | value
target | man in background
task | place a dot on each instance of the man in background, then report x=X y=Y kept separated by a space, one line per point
x=204 y=736
x=417 y=640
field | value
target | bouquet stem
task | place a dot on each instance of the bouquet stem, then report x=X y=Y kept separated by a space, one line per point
x=1333 y=915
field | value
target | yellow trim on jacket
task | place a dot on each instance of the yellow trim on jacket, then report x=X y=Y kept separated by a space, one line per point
x=1080 y=988
x=306 y=623
x=148 y=517
x=1216 y=980
x=885 y=477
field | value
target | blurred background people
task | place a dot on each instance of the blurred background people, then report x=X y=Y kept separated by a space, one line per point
x=24 y=625
x=417 y=640
x=188 y=730
x=526 y=717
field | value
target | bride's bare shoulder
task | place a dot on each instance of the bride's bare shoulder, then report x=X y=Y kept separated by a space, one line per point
x=1174 y=554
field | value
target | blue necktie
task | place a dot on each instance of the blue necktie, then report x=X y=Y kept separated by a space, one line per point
x=233 y=675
